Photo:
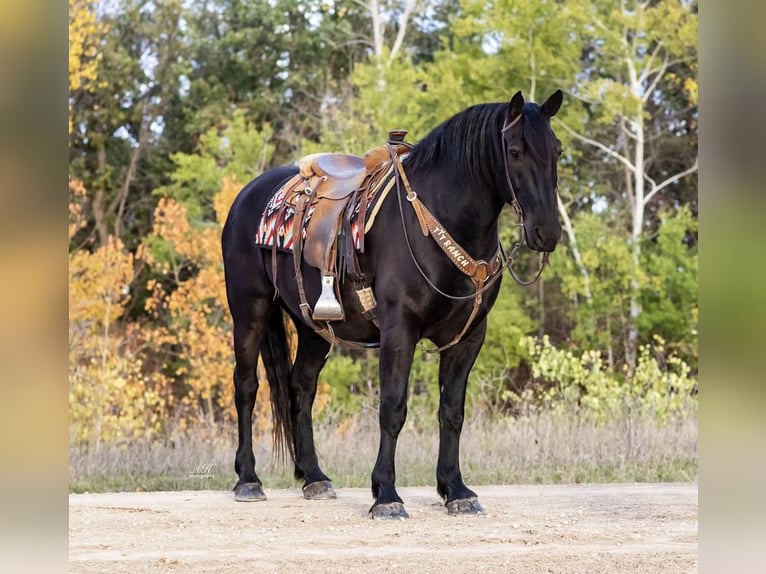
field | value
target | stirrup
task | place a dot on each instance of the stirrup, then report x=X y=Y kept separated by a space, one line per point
x=327 y=307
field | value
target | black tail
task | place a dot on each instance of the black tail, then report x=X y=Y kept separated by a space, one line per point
x=276 y=360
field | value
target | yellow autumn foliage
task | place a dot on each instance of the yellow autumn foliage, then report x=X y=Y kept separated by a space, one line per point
x=77 y=197
x=111 y=395
x=84 y=33
x=170 y=373
x=192 y=312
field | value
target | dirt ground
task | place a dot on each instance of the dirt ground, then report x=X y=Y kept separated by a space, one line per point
x=550 y=529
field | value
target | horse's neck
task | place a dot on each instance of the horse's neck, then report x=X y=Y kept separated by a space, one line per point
x=463 y=183
x=468 y=212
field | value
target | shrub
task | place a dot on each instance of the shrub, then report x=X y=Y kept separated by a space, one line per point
x=661 y=387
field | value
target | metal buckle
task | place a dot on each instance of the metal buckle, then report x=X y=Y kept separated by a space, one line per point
x=482 y=271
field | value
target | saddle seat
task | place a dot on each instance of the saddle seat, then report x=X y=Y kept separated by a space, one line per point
x=341 y=174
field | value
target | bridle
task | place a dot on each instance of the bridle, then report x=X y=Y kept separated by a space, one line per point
x=507 y=260
x=480 y=272
x=516 y=206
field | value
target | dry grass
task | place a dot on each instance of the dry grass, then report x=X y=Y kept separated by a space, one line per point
x=542 y=448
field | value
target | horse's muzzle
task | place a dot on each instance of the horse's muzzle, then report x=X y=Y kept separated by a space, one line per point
x=543 y=238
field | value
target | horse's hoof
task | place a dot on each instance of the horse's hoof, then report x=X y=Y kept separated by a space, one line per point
x=389 y=511
x=465 y=506
x=321 y=490
x=249 y=492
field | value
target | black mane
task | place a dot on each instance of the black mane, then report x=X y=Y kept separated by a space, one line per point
x=468 y=144
x=460 y=144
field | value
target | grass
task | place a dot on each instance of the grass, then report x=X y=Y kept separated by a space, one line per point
x=542 y=448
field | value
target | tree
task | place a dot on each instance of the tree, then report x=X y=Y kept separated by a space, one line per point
x=635 y=51
x=120 y=119
x=275 y=61
x=235 y=151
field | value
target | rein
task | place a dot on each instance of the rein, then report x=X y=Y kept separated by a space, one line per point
x=483 y=275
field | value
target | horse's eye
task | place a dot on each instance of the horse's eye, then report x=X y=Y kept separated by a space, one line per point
x=514 y=153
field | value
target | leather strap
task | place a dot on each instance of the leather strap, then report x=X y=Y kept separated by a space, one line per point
x=478 y=269
x=301 y=202
x=515 y=205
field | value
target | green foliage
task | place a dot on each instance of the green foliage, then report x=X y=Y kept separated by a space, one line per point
x=486 y=61
x=424 y=388
x=512 y=44
x=506 y=325
x=599 y=321
x=348 y=388
x=383 y=96
x=661 y=388
x=669 y=297
x=666 y=279
x=355 y=385
x=237 y=150
x=274 y=60
x=117 y=145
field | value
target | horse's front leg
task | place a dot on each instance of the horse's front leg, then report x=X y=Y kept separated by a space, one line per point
x=454 y=367
x=397 y=347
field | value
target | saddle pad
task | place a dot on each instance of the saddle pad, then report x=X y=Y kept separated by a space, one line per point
x=277 y=224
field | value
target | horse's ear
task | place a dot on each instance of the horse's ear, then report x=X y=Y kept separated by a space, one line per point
x=515 y=107
x=552 y=104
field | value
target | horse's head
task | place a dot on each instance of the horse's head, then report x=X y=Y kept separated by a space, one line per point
x=531 y=151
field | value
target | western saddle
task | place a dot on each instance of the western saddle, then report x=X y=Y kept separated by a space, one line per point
x=333 y=184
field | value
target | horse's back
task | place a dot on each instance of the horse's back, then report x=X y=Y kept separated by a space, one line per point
x=240 y=257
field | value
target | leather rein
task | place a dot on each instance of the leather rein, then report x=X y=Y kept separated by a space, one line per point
x=482 y=274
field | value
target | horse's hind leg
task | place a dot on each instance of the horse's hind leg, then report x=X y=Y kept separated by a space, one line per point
x=454 y=367
x=309 y=360
x=249 y=331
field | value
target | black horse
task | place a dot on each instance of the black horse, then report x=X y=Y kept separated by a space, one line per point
x=463 y=172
